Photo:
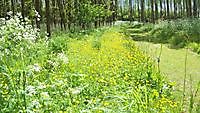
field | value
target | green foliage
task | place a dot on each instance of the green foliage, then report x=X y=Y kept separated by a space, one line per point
x=102 y=72
x=194 y=47
x=92 y=12
x=57 y=44
x=179 y=40
x=170 y=30
x=177 y=32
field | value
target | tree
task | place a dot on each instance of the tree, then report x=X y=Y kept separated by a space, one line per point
x=156 y=9
x=13 y=7
x=152 y=12
x=48 y=19
x=168 y=13
x=131 y=10
x=142 y=10
x=195 y=8
x=189 y=8
x=62 y=14
x=37 y=8
x=175 y=9
x=22 y=10
x=161 y=9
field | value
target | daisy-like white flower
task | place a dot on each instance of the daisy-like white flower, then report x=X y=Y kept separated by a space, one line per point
x=63 y=58
x=30 y=90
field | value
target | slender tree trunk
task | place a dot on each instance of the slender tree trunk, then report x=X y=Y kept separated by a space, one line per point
x=131 y=10
x=54 y=12
x=121 y=10
x=161 y=9
x=142 y=10
x=62 y=15
x=165 y=9
x=48 y=19
x=156 y=9
x=22 y=10
x=69 y=14
x=152 y=12
x=190 y=7
x=116 y=8
x=149 y=10
x=168 y=12
x=138 y=9
x=175 y=10
x=13 y=7
x=37 y=8
x=195 y=8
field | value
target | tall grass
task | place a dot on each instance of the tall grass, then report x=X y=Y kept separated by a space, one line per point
x=99 y=71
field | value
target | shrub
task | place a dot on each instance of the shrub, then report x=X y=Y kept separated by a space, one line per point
x=194 y=47
x=179 y=40
x=58 y=44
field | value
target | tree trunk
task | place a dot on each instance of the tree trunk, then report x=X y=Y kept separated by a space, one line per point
x=37 y=8
x=142 y=10
x=13 y=7
x=195 y=8
x=168 y=13
x=62 y=15
x=131 y=10
x=175 y=10
x=156 y=10
x=161 y=9
x=152 y=12
x=48 y=19
x=138 y=8
x=22 y=10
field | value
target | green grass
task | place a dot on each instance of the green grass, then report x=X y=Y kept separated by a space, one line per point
x=172 y=61
x=172 y=65
x=95 y=71
x=98 y=71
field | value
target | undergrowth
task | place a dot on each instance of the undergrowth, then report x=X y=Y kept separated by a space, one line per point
x=177 y=33
x=100 y=71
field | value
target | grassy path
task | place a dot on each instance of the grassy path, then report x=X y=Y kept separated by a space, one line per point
x=172 y=63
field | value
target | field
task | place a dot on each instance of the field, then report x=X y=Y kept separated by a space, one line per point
x=99 y=70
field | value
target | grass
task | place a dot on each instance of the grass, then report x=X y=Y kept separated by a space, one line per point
x=172 y=66
x=95 y=71
x=91 y=71
x=172 y=62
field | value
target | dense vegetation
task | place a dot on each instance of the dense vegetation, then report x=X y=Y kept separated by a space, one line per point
x=99 y=72
x=72 y=56
x=178 y=33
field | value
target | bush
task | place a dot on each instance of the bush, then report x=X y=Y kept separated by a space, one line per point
x=194 y=47
x=58 y=44
x=179 y=40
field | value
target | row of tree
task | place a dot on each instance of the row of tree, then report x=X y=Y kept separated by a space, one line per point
x=66 y=14
x=82 y=14
x=152 y=10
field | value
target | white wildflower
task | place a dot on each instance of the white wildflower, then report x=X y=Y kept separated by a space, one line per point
x=36 y=68
x=41 y=86
x=165 y=86
x=30 y=90
x=75 y=91
x=63 y=58
x=35 y=104
x=45 y=95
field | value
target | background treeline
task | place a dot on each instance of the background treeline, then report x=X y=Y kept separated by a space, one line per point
x=67 y=14
x=152 y=10
x=82 y=14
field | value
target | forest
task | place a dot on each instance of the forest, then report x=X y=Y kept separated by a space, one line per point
x=100 y=56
